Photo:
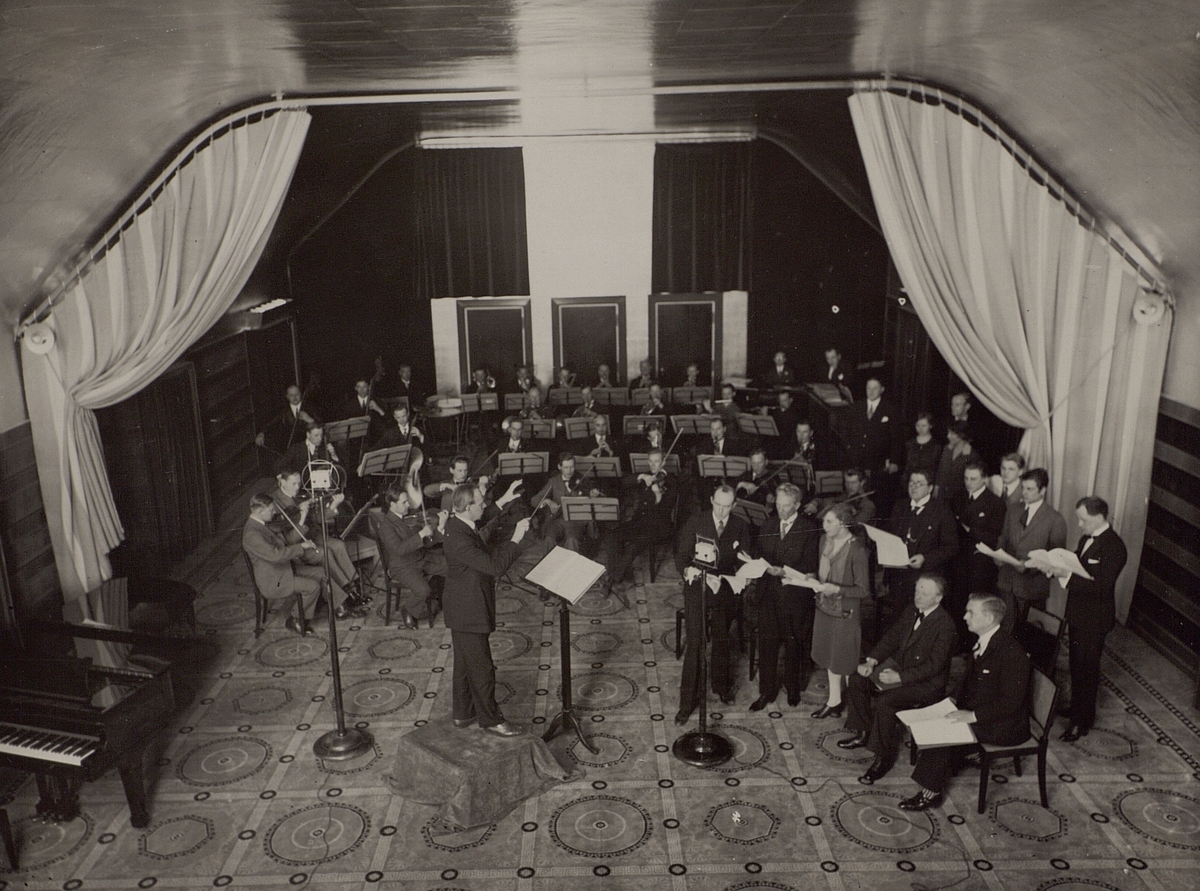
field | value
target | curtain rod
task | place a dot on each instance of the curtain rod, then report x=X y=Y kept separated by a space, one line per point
x=1116 y=238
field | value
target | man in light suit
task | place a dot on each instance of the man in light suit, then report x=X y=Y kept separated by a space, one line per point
x=994 y=699
x=470 y=611
x=1029 y=527
x=1091 y=608
x=272 y=558
x=732 y=535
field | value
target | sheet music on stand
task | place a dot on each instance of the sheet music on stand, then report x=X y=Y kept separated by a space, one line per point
x=751 y=511
x=640 y=396
x=830 y=394
x=581 y=509
x=566 y=573
x=610 y=395
x=635 y=425
x=639 y=462
x=390 y=462
x=522 y=463
x=542 y=428
x=723 y=466
x=578 y=428
x=601 y=466
x=757 y=425
x=693 y=425
x=691 y=395
x=473 y=402
x=566 y=396
x=516 y=401
x=341 y=432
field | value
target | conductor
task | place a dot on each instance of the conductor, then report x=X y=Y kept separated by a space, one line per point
x=470 y=610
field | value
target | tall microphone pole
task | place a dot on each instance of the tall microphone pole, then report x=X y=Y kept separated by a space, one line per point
x=342 y=743
x=703 y=748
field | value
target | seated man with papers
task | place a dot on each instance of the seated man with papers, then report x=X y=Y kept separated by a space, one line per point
x=908 y=668
x=993 y=700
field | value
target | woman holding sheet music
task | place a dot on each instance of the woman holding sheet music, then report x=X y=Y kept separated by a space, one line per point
x=844 y=577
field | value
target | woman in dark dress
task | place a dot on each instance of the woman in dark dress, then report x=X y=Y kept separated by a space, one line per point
x=843 y=574
x=922 y=452
x=958 y=453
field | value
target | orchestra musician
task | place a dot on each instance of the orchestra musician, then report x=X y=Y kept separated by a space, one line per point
x=693 y=376
x=727 y=406
x=402 y=432
x=604 y=377
x=566 y=379
x=567 y=483
x=645 y=376
x=459 y=468
x=406 y=550
x=780 y=373
x=311 y=448
x=525 y=380
x=854 y=492
x=481 y=382
x=362 y=403
x=599 y=444
x=655 y=404
x=651 y=522
x=752 y=485
x=277 y=573
x=588 y=408
x=838 y=374
x=285 y=429
x=651 y=439
x=407 y=388
x=786 y=416
x=516 y=441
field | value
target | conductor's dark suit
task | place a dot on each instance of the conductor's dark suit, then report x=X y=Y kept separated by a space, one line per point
x=980 y=520
x=1091 y=614
x=922 y=658
x=785 y=612
x=996 y=688
x=470 y=613
x=735 y=537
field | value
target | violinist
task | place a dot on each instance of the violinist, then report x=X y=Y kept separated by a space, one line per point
x=402 y=432
x=655 y=495
x=655 y=405
x=405 y=541
x=854 y=485
x=443 y=492
x=588 y=408
x=753 y=485
x=567 y=483
x=296 y=529
x=287 y=428
x=652 y=439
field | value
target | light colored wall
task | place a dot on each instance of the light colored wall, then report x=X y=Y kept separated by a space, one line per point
x=12 y=392
x=1182 y=381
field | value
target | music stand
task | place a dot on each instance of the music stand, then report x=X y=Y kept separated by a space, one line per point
x=341 y=432
x=639 y=462
x=693 y=425
x=610 y=395
x=757 y=425
x=723 y=466
x=601 y=467
x=641 y=396
x=691 y=395
x=635 y=425
x=541 y=428
x=385 y=462
x=516 y=401
x=566 y=395
x=579 y=428
x=567 y=575
x=522 y=463
x=750 y=511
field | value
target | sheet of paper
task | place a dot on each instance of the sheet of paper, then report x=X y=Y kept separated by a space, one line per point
x=930 y=726
x=912 y=716
x=891 y=548
x=753 y=569
x=799 y=579
x=1057 y=559
x=999 y=554
x=566 y=573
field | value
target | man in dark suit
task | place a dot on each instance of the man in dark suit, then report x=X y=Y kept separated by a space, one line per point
x=873 y=441
x=400 y=430
x=565 y=484
x=1091 y=608
x=470 y=611
x=600 y=443
x=1030 y=526
x=928 y=528
x=311 y=448
x=836 y=372
x=655 y=495
x=645 y=376
x=286 y=428
x=786 y=416
x=732 y=536
x=406 y=552
x=753 y=485
x=785 y=612
x=994 y=699
x=918 y=645
x=980 y=514
x=277 y=572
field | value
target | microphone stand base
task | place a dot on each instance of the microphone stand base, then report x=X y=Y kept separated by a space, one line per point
x=702 y=748
x=335 y=746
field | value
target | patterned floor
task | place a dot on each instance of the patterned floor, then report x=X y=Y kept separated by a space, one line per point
x=240 y=800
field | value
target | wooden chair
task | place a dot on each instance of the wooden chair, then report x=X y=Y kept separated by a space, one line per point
x=391 y=587
x=1041 y=635
x=262 y=606
x=1043 y=697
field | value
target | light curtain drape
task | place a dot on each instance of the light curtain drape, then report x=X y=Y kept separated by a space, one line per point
x=1030 y=307
x=174 y=269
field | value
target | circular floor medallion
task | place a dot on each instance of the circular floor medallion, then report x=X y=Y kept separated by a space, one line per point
x=224 y=761
x=599 y=691
x=507 y=644
x=753 y=884
x=1107 y=745
x=827 y=743
x=262 y=700
x=225 y=613
x=377 y=696
x=509 y=604
x=597 y=643
x=600 y=826
x=1028 y=819
x=391 y=648
x=749 y=749
x=1075 y=884
x=1170 y=818
x=874 y=820
x=592 y=604
x=318 y=833
x=177 y=837
x=742 y=822
x=292 y=651
x=42 y=844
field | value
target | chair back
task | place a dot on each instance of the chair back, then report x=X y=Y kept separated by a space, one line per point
x=1043 y=695
x=1041 y=635
x=250 y=569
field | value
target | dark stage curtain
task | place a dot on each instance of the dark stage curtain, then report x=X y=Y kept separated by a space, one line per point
x=471 y=223
x=702 y=211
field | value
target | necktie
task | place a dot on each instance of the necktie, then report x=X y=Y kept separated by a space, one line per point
x=1025 y=517
x=785 y=528
x=916 y=508
x=870 y=411
x=917 y=624
x=975 y=651
x=720 y=528
x=362 y=403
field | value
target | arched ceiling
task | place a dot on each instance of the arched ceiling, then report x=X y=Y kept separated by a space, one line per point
x=95 y=94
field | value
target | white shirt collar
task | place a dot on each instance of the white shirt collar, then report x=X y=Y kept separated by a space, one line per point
x=984 y=639
x=919 y=504
x=1100 y=531
x=1033 y=508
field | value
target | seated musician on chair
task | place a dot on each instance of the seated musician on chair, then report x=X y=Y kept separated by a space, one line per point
x=406 y=552
x=752 y=484
x=604 y=377
x=342 y=571
x=588 y=408
x=655 y=405
x=311 y=448
x=692 y=378
x=566 y=483
x=402 y=431
x=287 y=428
x=652 y=521
x=362 y=403
x=645 y=376
x=525 y=380
x=279 y=571
x=786 y=418
x=599 y=444
x=443 y=492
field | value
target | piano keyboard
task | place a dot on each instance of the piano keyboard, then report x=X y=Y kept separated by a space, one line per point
x=46 y=745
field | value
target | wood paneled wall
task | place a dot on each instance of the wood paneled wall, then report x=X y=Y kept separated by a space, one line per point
x=24 y=535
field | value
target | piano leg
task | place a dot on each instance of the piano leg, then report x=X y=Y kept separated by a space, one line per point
x=59 y=797
x=135 y=790
x=8 y=844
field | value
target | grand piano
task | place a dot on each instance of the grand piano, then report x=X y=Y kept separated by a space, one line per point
x=67 y=721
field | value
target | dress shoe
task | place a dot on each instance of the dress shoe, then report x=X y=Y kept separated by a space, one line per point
x=877 y=771
x=460 y=723
x=1074 y=732
x=292 y=625
x=829 y=711
x=922 y=801
x=682 y=717
x=853 y=742
x=409 y=622
x=727 y=699
x=347 y=611
x=761 y=703
x=793 y=699
x=505 y=729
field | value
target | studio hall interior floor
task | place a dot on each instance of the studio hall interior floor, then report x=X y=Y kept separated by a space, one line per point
x=239 y=800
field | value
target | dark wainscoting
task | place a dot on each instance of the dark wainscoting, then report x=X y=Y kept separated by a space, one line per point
x=32 y=578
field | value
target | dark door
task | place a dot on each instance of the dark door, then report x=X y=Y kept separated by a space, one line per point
x=685 y=330
x=589 y=332
x=496 y=335
x=155 y=459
